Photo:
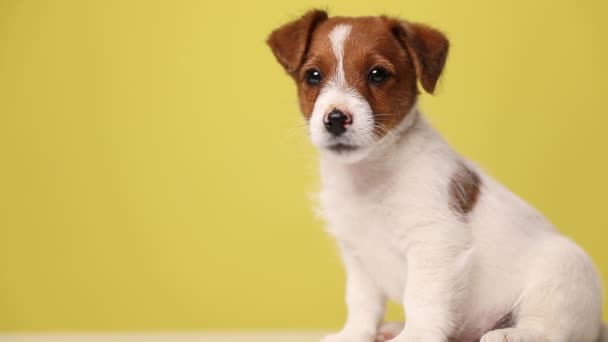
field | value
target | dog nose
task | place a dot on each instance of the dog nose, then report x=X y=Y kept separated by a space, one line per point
x=336 y=121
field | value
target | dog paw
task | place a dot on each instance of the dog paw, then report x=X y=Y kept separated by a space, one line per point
x=389 y=331
x=349 y=337
x=405 y=337
x=506 y=335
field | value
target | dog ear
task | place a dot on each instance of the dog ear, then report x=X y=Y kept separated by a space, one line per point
x=289 y=43
x=427 y=47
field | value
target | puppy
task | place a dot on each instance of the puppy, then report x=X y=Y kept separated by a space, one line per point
x=414 y=221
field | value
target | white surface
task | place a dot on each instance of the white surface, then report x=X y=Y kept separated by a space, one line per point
x=172 y=337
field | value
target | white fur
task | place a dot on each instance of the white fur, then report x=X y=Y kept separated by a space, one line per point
x=338 y=37
x=400 y=240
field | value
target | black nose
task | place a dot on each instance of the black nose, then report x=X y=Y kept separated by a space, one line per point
x=336 y=121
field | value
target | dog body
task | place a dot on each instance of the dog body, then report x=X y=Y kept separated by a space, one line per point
x=498 y=265
x=415 y=222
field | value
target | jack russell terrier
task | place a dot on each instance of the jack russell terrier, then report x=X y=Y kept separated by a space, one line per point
x=416 y=222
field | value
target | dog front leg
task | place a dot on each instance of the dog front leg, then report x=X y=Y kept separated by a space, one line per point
x=365 y=304
x=434 y=293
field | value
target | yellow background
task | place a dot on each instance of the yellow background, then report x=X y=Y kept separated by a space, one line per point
x=155 y=174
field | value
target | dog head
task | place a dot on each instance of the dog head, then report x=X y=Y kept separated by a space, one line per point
x=357 y=77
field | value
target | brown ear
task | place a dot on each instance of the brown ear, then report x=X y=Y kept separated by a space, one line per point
x=428 y=49
x=289 y=43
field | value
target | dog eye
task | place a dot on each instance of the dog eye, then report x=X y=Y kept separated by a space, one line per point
x=377 y=75
x=313 y=77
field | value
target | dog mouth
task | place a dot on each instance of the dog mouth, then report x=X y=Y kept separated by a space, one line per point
x=342 y=148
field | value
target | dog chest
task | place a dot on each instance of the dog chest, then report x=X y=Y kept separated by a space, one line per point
x=363 y=229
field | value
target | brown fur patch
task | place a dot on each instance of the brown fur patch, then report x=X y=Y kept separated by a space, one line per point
x=464 y=190
x=427 y=47
x=290 y=42
x=373 y=45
